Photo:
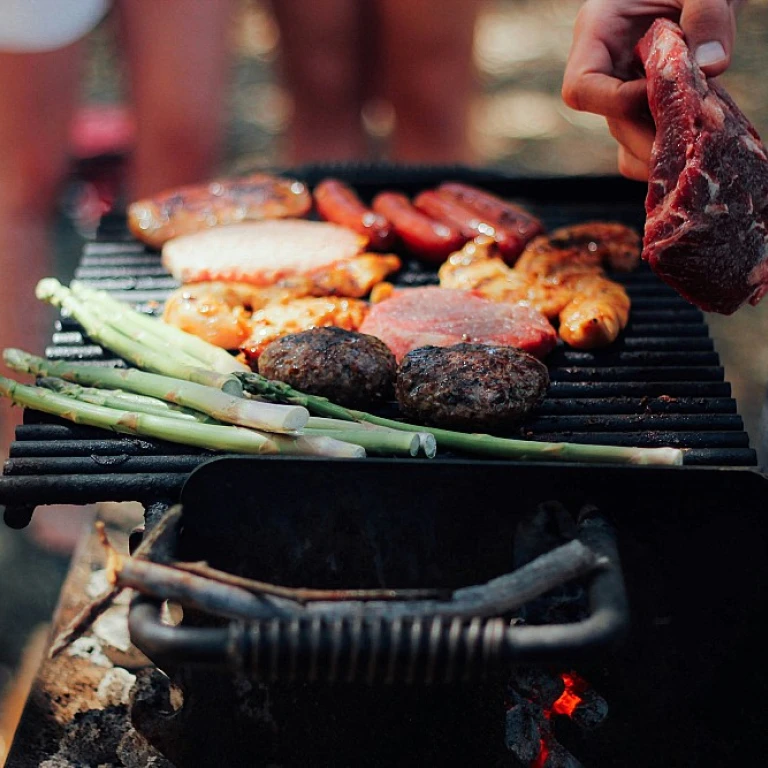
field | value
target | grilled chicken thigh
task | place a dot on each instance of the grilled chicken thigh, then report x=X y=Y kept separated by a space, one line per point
x=560 y=275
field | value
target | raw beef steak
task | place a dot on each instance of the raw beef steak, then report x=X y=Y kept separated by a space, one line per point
x=440 y=317
x=707 y=203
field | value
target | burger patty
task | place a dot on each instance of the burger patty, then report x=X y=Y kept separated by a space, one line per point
x=349 y=368
x=471 y=387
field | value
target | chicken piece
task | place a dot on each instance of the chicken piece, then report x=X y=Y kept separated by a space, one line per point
x=475 y=268
x=597 y=312
x=611 y=244
x=567 y=285
x=197 y=207
x=278 y=319
x=354 y=277
x=220 y=312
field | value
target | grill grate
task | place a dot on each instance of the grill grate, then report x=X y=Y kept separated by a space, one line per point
x=660 y=384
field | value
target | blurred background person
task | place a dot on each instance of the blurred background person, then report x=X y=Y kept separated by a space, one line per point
x=407 y=62
x=176 y=55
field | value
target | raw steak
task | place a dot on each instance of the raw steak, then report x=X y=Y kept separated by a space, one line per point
x=440 y=317
x=707 y=203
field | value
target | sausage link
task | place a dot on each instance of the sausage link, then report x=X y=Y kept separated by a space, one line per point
x=451 y=212
x=430 y=240
x=338 y=203
x=445 y=207
x=514 y=226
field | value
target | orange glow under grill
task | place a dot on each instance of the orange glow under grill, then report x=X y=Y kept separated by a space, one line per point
x=565 y=705
x=570 y=698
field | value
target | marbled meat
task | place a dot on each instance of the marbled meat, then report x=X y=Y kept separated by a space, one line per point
x=707 y=203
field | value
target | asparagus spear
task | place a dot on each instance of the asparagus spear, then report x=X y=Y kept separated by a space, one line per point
x=126 y=401
x=487 y=445
x=376 y=440
x=207 y=355
x=385 y=442
x=208 y=400
x=145 y=357
x=317 y=424
x=210 y=436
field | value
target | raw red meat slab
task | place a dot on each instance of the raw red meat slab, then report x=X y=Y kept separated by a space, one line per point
x=707 y=203
x=439 y=317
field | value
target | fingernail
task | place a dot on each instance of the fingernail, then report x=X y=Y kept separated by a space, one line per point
x=709 y=53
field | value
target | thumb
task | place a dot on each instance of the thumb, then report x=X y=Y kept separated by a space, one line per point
x=710 y=28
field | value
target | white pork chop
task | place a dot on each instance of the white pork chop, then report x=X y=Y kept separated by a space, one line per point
x=262 y=252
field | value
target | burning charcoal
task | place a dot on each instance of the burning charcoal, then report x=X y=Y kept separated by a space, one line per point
x=591 y=710
x=558 y=757
x=537 y=685
x=522 y=733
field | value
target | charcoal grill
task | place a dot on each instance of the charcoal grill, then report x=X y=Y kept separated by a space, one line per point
x=661 y=383
x=681 y=687
x=691 y=539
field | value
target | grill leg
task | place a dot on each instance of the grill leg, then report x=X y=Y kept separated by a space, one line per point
x=18 y=516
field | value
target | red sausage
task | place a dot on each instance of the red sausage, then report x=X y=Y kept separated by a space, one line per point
x=338 y=203
x=515 y=227
x=431 y=240
x=451 y=212
x=445 y=207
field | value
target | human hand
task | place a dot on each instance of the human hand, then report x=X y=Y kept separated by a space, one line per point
x=602 y=73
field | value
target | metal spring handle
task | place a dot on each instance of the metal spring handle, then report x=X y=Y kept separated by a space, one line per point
x=381 y=650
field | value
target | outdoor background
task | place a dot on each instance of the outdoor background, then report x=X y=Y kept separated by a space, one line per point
x=519 y=124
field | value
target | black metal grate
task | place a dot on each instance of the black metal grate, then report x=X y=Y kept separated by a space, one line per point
x=660 y=384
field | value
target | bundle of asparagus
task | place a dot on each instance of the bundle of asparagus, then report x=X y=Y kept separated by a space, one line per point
x=191 y=392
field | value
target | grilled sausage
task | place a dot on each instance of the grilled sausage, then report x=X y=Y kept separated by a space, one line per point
x=431 y=240
x=197 y=207
x=338 y=203
x=514 y=226
x=349 y=368
x=474 y=387
x=450 y=212
x=445 y=207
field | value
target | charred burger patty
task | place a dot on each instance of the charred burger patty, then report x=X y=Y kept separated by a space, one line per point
x=473 y=387
x=349 y=368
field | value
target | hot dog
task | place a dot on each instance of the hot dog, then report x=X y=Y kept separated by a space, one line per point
x=514 y=226
x=450 y=211
x=445 y=207
x=338 y=203
x=430 y=240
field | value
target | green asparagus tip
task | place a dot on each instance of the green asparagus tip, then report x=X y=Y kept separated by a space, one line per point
x=12 y=356
x=46 y=288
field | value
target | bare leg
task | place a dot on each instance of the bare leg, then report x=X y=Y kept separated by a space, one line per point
x=178 y=55
x=38 y=92
x=428 y=76
x=320 y=48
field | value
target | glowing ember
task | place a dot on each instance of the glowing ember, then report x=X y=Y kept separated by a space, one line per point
x=570 y=698
x=565 y=705
x=541 y=758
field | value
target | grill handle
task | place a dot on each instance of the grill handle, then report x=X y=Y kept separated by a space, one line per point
x=431 y=650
